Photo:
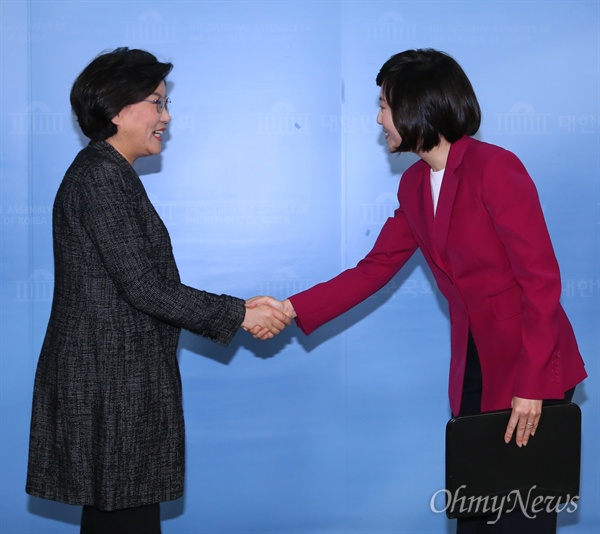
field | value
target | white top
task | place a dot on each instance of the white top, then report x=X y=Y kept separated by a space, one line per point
x=435 y=178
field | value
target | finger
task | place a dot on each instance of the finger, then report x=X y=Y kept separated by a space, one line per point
x=531 y=419
x=510 y=428
x=259 y=332
x=279 y=325
x=273 y=303
x=274 y=326
x=254 y=302
x=270 y=333
x=280 y=316
x=528 y=432
x=535 y=423
x=527 y=426
x=523 y=432
x=284 y=318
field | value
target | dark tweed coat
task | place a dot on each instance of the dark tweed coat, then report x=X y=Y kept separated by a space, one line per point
x=107 y=426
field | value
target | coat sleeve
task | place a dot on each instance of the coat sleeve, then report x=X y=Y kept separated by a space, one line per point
x=323 y=302
x=512 y=200
x=113 y=220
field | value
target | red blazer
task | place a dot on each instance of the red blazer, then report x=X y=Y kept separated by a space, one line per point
x=490 y=253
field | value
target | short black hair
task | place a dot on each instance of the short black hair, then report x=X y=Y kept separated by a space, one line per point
x=112 y=81
x=429 y=96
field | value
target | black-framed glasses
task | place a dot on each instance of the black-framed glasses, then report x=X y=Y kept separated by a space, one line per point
x=161 y=104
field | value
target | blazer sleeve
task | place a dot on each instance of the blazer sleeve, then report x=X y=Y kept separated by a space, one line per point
x=323 y=302
x=512 y=200
x=114 y=222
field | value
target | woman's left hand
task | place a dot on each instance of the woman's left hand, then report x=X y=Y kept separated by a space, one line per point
x=524 y=419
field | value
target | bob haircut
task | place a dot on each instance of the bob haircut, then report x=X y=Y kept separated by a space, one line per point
x=430 y=97
x=112 y=81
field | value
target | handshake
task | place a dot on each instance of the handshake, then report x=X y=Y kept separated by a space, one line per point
x=267 y=316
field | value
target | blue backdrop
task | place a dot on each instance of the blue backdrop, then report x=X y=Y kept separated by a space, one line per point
x=275 y=176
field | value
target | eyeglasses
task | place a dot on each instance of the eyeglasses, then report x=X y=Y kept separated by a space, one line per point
x=161 y=104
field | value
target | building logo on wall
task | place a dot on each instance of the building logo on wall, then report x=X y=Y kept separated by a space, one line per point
x=522 y=119
x=283 y=119
x=247 y=32
x=150 y=27
x=38 y=288
x=390 y=27
x=39 y=119
x=376 y=213
x=167 y=212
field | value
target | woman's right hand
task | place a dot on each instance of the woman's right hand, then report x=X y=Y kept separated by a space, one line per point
x=284 y=310
x=265 y=317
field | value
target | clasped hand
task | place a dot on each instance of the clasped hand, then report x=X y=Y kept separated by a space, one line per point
x=267 y=316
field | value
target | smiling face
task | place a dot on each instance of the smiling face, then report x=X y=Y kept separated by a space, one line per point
x=384 y=118
x=140 y=127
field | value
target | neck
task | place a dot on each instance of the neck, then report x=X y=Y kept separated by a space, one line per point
x=114 y=142
x=437 y=157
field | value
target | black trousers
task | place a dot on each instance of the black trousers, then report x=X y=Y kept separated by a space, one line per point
x=140 y=520
x=515 y=522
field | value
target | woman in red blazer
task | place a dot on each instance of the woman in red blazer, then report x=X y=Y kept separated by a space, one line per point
x=473 y=211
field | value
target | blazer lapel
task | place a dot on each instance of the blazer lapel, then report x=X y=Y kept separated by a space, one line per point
x=441 y=224
x=426 y=204
x=426 y=217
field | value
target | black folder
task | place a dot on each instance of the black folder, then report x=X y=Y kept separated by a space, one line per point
x=481 y=469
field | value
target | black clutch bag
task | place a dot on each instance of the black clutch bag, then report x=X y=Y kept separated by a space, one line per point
x=484 y=473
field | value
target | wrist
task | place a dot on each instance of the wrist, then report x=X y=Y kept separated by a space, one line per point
x=288 y=309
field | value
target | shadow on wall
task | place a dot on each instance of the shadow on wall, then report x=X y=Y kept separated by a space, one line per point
x=70 y=514
x=56 y=511
x=271 y=348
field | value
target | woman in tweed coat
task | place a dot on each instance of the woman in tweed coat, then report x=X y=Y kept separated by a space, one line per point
x=107 y=428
